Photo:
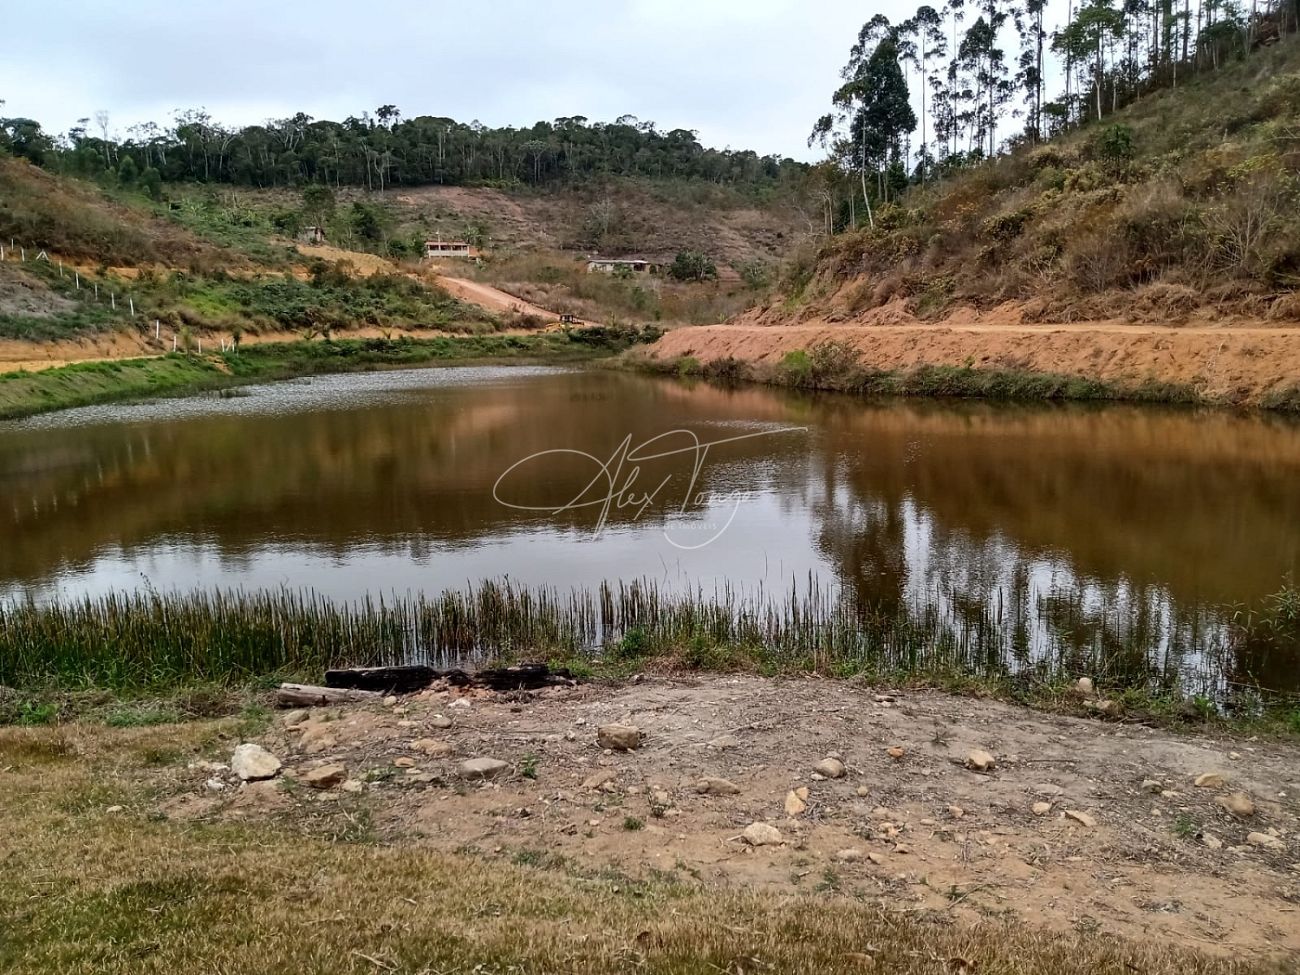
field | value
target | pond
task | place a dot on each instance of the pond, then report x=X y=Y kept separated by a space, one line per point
x=1052 y=524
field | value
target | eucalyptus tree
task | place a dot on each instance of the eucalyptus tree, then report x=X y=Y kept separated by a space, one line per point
x=927 y=43
x=1095 y=28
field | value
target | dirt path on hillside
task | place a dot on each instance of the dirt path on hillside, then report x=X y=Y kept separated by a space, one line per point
x=1238 y=363
x=1078 y=824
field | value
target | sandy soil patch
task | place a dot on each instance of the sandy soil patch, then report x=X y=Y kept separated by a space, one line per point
x=1077 y=824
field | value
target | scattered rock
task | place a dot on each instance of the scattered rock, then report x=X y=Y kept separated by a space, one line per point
x=1049 y=790
x=390 y=701
x=725 y=741
x=253 y=763
x=1213 y=842
x=114 y=810
x=1239 y=804
x=1209 y=780
x=712 y=786
x=851 y=855
x=440 y=721
x=404 y=762
x=294 y=718
x=433 y=747
x=1084 y=687
x=1265 y=840
x=956 y=812
x=1151 y=785
x=863 y=792
x=980 y=761
x=794 y=806
x=896 y=752
x=353 y=786
x=1042 y=808
x=483 y=768
x=214 y=785
x=326 y=777
x=1082 y=818
x=830 y=768
x=1108 y=708
x=875 y=858
x=462 y=703
x=599 y=778
x=620 y=737
x=761 y=834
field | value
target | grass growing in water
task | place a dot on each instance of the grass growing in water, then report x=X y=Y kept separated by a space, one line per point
x=150 y=641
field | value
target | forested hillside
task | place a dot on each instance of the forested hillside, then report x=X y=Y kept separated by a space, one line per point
x=1162 y=180
x=382 y=149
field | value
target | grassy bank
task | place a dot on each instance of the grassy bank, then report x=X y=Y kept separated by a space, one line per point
x=834 y=366
x=152 y=646
x=106 y=874
x=179 y=374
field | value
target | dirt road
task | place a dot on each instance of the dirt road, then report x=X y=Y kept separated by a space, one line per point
x=1239 y=363
x=1077 y=823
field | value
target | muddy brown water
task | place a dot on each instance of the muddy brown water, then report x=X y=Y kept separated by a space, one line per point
x=1047 y=519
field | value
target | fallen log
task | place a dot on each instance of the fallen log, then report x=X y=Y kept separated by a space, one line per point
x=405 y=680
x=310 y=696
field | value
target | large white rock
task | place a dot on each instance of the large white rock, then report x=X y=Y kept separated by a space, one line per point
x=761 y=834
x=253 y=762
x=483 y=768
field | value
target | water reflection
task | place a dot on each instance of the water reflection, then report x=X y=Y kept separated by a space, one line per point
x=1060 y=526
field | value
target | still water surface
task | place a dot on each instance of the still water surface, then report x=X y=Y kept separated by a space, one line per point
x=393 y=482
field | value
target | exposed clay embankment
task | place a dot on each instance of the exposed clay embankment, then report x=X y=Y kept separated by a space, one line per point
x=1238 y=363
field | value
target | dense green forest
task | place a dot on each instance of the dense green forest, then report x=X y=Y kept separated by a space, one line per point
x=384 y=149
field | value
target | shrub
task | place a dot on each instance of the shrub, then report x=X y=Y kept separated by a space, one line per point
x=693 y=266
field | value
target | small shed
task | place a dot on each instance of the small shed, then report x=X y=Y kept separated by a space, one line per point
x=601 y=265
x=450 y=248
x=312 y=235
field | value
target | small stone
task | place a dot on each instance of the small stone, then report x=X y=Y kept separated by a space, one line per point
x=725 y=741
x=294 y=718
x=794 y=806
x=875 y=858
x=326 y=777
x=1082 y=818
x=114 y=810
x=1265 y=840
x=863 y=792
x=440 y=721
x=1209 y=780
x=896 y=752
x=354 y=786
x=956 y=812
x=851 y=855
x=1239 y=804
x=403 y=762
x=1049 y=790
x=433 y=747
x=483 y=768
x=902 y=848
x=390 y=701
x=620 y=737
x=980 y=760
x=713 y=786
x=599 y=778
x=830 y=768
x=1042 y=808
x=1083 y=687
x=461 y=703
x=1151 y=785
x=252 y=763
x=761 y=834
x=802 y=792
x=1108 y=708
x=214 y=785
x=1213 y=842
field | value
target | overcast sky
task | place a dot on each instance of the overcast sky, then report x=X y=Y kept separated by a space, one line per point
x=750 y=74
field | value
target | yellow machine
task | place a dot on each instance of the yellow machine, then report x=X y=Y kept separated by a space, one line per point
x=566 y=321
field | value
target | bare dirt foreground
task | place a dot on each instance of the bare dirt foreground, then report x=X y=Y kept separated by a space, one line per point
x=1077 y=825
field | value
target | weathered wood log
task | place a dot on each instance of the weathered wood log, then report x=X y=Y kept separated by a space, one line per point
x=388 y=680
x=404 y=680
x=310 y=696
